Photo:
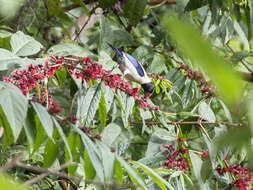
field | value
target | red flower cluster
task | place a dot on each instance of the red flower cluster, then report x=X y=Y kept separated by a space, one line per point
x=72 y=119
x=86 y=69
x=26 y=80
x=87 y=131
x=196 y=75
x=205 y=154
x=47 y=100
x=92 y=70
x=175 y=158
x=155 y=76
x=243 y=176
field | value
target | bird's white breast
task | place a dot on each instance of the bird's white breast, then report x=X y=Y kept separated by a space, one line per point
x=131 y=73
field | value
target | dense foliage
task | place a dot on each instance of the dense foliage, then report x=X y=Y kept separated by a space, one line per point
x=69 y=120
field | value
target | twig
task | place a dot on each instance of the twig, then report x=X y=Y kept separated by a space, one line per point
x=192 y=123
x=242 y=61
x=41 y=176
x=12 y=163
x=91 y=13
x=72 y=102
x=15 y=163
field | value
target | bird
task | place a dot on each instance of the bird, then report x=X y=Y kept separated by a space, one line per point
x=134 y=71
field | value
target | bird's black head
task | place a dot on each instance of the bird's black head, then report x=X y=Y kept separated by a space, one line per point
x=148 y=88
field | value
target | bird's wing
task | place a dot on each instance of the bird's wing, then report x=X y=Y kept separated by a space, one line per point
x=136 y=64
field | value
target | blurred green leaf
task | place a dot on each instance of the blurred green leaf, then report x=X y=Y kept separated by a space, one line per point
x=7 y=183
x=200 y=52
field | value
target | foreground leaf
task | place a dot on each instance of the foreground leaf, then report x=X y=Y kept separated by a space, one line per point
x=14 y=105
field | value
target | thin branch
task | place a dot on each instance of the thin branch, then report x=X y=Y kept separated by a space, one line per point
x=41 y=176
x=242 y=61
x=15 y=163
x=150 y=123
x=87 y=21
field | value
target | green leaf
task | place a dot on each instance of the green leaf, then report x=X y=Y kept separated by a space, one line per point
x=250 y=4
x=107 y=160
x=131 y=172
x=75 y=147
x=93 y=153
x=238 y=56
x=188 y=93
x=195 y=4
x=61 y=76
x=62 y=135
x=118 y=171
x=206 y=169
x=14 y=105
x=241 y=34
x=196 y=165
x=51 y=152
x=158 y=64
x=88 y=104
x=66 y=49
x=162 y=183
x=106 y=4
x=24 y=45
x=110 y=133
x=40 y=134
x=82 y=4
x=200 y=52
x=88 y=167
x=134 y=10
x=8 y=138
x=54 y=9
x=45 y=118
x=30 y=130
x=105 y=31
x=206 y=112
x=8 y=59
x=102 y=110
x=5 y=41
